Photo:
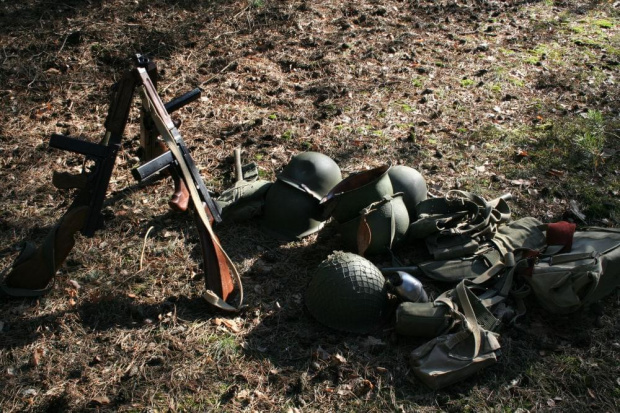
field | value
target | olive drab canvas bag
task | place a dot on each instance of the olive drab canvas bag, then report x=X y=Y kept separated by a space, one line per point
x=453 y=357
x=566 y=282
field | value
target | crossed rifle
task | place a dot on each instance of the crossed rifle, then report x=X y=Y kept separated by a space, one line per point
x=33 y=271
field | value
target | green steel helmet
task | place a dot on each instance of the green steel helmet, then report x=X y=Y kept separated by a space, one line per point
x=292 y=209
x=345 y=201
x=348 y=293
x=311 y=172
x=289 y=213
x=411 y=183
x=380 y=227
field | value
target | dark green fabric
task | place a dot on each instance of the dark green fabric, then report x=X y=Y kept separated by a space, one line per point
x=243 y=201
x=455 y=225
x=565 y=283
x=523 y=233
x=423 y=319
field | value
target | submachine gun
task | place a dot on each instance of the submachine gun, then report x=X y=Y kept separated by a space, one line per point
x=34 y=269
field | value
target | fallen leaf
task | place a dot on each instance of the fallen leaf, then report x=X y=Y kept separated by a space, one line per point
x=100 y=400
x=230 y=324
x=243 y=394
x=574 y=208
x=520 y=182
x=338 y=359
x=480 y=168
x=321 y=354
x=260 y=395
x=74 y=284
x=29 y=392
x=362 y=387
x=551 y=403
x=591 y=393
x=132 y=295
x=555 y=172
x=36 y=356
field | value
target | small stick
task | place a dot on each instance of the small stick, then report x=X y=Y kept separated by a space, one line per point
x=238 y=169
x=144 y=246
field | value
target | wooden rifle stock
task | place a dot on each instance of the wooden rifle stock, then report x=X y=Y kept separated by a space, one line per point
x=34 y=269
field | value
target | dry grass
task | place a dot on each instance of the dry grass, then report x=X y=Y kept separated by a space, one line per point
x=477 y=95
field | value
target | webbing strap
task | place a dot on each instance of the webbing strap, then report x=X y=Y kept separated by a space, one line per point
x=470 y=316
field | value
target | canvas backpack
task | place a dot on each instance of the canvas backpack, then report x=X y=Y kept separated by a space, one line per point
x=565 y=282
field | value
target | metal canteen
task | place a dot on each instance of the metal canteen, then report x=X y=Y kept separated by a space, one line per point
x=407 y=287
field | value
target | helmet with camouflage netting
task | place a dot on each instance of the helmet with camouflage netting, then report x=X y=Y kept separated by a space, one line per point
x=348 y=293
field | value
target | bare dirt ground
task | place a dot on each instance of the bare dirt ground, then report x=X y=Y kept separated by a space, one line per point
x=485 y=96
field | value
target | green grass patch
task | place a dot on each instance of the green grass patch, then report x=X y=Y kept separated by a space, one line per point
x=416 y=82
x=405 y=107
x=516 y=81
x=287 y=135
x=570 y=152
x=604 y=23
x=467 y=82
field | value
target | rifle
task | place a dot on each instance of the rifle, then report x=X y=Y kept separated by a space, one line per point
x=33 y=270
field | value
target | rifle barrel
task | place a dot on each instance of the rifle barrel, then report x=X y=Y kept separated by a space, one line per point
x=179 y=102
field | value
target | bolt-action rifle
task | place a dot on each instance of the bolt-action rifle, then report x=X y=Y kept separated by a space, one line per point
x=34 y=269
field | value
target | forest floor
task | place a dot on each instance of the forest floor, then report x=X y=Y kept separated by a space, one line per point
x=483 y=96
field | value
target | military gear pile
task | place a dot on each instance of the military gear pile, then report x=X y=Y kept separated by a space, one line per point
x=471 y=242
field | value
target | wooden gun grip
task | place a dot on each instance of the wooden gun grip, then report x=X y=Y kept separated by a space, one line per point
x=180 y=198
x=66 y=180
